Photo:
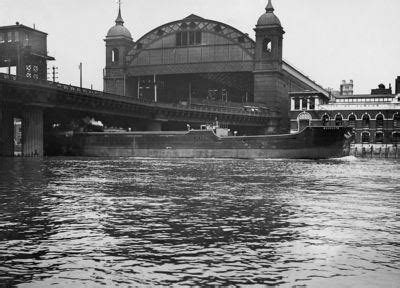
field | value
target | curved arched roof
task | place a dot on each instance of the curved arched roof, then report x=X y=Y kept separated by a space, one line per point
x=195 y=22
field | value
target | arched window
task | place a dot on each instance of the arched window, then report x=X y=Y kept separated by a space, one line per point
x=114 y=55
x=379 y=120
x=365 y=137
x=379 y=137
x=365 y=121
x=396 y=137
x=325 y=120
x=338 y=120
x=352 y=120
x=191 y=35
x=267 y=45
x=304 y=120
x=396 y=120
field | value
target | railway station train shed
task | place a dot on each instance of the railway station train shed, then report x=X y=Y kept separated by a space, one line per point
x=198 y=61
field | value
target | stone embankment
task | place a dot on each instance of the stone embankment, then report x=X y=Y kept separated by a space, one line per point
x=375 y=150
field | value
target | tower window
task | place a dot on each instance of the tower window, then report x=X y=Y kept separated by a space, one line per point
x=267 y=45
x=114 y=55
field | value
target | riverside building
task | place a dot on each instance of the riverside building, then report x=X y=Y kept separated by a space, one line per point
x=375 y=117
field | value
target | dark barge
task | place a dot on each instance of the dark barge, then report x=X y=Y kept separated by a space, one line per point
x=310 y=143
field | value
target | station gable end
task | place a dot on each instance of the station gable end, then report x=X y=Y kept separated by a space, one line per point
x=192 y=40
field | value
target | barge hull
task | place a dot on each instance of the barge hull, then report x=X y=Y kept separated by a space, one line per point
x=311 y=143
x=318 y=153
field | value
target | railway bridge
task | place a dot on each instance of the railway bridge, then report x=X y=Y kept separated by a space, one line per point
x=40 y=104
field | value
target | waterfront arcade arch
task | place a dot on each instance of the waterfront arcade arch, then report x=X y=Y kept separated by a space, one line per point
x=379 y=120
x=352 y=119
x=325 y=120
x=338 y=119
x=303 y=120
x=396 y=120
x=365 y=120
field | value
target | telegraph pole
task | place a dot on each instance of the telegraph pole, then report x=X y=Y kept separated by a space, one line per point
x=80 y=74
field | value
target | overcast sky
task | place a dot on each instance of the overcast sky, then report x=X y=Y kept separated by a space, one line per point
x=328 y=40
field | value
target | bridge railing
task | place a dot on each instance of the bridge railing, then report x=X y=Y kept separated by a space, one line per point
x=255 y=111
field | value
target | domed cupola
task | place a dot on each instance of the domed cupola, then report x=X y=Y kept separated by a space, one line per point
x=268 y=19
x=119 y=30
x=118 y=44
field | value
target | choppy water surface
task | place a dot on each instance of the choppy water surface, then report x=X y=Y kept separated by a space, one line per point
x=145 y=222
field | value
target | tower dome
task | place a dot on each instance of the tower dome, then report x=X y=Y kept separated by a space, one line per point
x=119 y=30
x=268 y=19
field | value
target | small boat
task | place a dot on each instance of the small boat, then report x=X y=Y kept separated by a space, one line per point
x=315 y=142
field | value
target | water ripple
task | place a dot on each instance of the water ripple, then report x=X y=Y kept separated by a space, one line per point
x=143 y=222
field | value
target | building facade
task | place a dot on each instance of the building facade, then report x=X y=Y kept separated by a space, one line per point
x=200 y=61
x=25 y=49
x=375 y=118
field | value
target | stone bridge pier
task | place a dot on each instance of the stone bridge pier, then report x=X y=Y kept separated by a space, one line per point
x=6 y=133
x=31 y=130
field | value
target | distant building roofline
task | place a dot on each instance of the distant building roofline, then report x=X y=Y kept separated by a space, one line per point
x=21 y=26
x=365 y=96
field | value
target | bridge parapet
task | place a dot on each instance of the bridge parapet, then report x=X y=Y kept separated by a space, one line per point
x=70 y=89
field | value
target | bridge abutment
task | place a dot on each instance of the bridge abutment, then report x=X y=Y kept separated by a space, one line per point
x=32 y=132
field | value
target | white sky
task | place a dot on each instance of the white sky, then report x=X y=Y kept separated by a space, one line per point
x=329 y=40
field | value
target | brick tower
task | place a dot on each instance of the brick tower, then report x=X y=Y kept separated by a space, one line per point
x=269 y=85
x=118 y=43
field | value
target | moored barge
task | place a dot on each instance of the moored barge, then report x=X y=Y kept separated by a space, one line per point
x=310 y=143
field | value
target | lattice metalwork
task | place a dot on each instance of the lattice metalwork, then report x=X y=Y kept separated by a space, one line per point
x=193 y=23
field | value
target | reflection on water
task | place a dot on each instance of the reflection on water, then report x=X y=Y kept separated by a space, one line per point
x=91 y=222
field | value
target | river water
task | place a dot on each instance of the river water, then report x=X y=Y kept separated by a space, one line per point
x=81 y=222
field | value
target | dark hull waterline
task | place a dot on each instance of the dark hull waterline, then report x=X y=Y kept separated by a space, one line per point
x=310 y=143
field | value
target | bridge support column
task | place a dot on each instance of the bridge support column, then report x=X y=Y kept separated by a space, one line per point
x=6 y=133
x=153 y=126
x=32 y=132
